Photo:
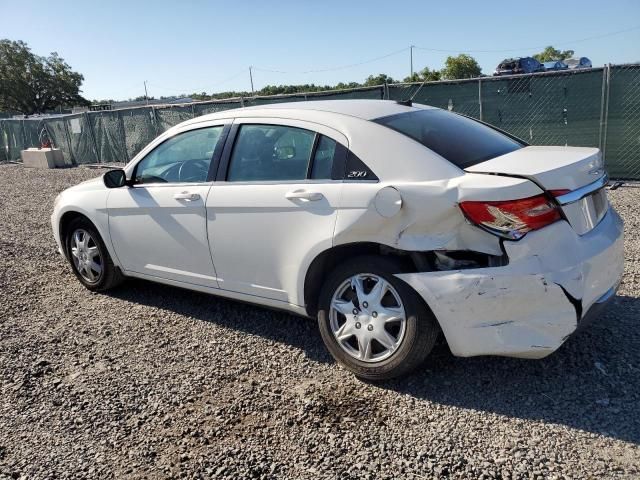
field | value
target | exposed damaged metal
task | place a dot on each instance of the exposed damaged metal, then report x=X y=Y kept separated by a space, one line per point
x=490 y=295
x=510 y=246
x=530 y=306
x=423 y=216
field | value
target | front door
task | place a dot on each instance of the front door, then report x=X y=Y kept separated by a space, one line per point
x=158 y=225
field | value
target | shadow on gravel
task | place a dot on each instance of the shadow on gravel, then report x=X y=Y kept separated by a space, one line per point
x=272 y=324
x=591 y=383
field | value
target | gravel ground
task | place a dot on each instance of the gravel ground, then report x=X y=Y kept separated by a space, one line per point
x=150 y=381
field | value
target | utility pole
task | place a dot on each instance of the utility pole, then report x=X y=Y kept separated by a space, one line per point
x=411 y=47
x=146 y=96
x=251 y=78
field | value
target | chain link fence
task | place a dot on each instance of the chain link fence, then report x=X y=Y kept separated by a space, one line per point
x=621 y=132
x=597 y=107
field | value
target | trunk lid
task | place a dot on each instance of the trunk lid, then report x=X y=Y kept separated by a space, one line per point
x=576 y=169
x=553 y=168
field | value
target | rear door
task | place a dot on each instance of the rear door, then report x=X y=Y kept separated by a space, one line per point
x=274 y=204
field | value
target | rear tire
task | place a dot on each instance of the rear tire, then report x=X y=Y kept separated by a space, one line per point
x=89 y=257
x=378 y=337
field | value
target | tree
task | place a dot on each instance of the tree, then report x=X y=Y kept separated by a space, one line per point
x=32 y=84
x=462 y=66
x=343 y=85
x=379 y=79
x=550 y=53
x=424 y=75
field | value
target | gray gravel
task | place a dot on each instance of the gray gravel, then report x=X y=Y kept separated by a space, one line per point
x=150 y=381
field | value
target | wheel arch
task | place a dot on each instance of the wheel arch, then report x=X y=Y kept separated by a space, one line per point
x=63 y=227
x=328 y=259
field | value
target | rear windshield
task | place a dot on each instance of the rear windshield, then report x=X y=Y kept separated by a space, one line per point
x=462 y=141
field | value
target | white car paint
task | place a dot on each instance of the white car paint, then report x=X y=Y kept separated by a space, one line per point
x=257 y=259
x=520 y=310
x=173 y=229
x=553 y=167
x=255 y=241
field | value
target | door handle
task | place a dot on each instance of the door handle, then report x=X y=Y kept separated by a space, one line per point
x=189 y=197
x=304 y=195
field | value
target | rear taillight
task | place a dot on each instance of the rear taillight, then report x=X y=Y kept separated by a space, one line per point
x=512 y=218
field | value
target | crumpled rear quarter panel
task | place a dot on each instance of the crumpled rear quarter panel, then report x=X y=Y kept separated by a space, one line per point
x=521 y=309
x=492 y=311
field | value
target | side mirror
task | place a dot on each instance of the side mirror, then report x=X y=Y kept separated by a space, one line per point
x=115 y=178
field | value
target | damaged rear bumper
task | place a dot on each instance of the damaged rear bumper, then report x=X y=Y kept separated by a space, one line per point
x=555 y=281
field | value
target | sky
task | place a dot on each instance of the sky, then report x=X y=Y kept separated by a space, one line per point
x=195 y=46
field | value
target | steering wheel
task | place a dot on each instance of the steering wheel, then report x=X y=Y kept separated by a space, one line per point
x=171 y=174
x=196 y=170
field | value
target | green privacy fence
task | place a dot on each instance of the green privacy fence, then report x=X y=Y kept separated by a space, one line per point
x=597 y=107
x=118 y=135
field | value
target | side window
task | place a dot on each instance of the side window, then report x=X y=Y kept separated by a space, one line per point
x=323 y=159
x=183 y=158
x=270 y=152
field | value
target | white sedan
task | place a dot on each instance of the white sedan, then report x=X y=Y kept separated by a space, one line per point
x=387 y=221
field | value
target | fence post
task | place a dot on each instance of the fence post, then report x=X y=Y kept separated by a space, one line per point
x=480 y=98
x=156 y=120
x=123 y=137
x=68 y=135
x=92 y=134
x=49 y=136
x=602 y=97
x=242 y=101
x=606 y=113
x=4 y=152
x=24 y=137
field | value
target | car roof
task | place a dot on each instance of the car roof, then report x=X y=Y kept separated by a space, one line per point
x=363 y=109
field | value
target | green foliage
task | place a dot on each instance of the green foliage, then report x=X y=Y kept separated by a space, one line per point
x=275 y=90
x=424 y=75
x=550 y=53
x=342 y=85
x=379 y=79
x=287 y=89
x=462 y=66
x=33 y=84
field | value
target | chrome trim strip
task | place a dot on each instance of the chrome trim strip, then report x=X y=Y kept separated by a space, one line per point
x=582 y=192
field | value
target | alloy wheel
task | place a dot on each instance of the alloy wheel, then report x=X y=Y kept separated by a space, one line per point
x=367 y=318
x=86 y=256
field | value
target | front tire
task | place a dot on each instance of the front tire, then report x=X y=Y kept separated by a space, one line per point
x=373 y=323
x=89 y=257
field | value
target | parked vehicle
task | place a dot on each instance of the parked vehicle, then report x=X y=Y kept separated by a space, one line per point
x=387 y=222
x=516 y=66
x=575 y=63
x=555 y=65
